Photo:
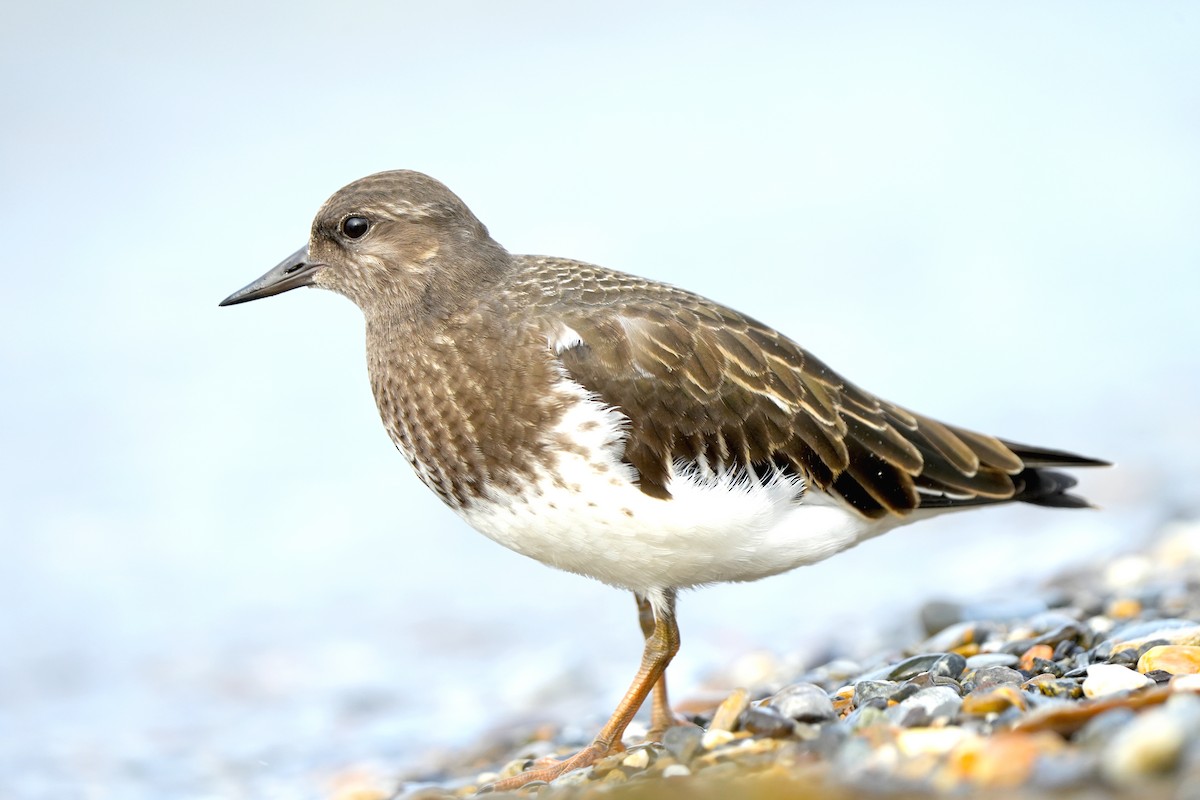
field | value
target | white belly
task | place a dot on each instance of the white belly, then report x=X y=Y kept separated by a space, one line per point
x=586 y=515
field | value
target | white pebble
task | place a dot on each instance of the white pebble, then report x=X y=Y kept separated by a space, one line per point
x=716 y=738
x=1106 y=679
x=1185 y=683
x=638 y=759
x=676 y=771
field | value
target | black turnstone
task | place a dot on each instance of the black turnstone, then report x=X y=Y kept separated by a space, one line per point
x=624 y=429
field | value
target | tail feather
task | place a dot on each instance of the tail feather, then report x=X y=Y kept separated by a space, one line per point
x=1038 y=457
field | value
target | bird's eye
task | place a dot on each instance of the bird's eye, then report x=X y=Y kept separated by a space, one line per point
x=355 y=227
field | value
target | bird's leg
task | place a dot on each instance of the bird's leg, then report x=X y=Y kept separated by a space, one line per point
x=662 y=643
x=661 y=715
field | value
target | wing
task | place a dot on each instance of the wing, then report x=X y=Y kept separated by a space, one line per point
x=705 y=385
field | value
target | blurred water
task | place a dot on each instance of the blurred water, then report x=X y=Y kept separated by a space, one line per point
x=219 y=580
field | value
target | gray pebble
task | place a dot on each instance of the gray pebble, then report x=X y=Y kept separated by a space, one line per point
x=682 y=741
x=925 y=706
x=988 y=677
x=913 y=666
x=951 y=665
x=980 y=660
x=1070 y=632
x=869 y=690
x=803 y=702
x=766 y=721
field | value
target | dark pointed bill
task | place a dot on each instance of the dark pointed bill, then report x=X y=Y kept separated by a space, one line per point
x=293 y=272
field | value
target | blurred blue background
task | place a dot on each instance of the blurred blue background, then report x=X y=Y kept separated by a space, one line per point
x=219 y=579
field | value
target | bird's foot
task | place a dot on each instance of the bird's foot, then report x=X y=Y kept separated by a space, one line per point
x=584 y=758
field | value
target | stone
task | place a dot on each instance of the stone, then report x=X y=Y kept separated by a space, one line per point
x=638 y=759
x=713 y=739
x=951 y=665
x=994 y=700
x=1106 y=679
x=865 y=691
x=926 y=706
x=766 y=721
x=1172 y=631
x=988 y=677
x=1049 y=686
x=803 y=702
x=676 y=771
x=1039 y=652
x=903 y=670
x=992 y=660
x=1173 y=658
x=682 y=741
x=1041 y=666
x=725 y=718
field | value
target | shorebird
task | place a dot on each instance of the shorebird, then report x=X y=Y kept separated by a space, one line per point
x=625 y=429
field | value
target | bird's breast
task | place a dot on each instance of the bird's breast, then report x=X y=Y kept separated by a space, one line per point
x=472 y=415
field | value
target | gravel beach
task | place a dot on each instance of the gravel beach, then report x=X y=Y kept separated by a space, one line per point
x=1089 y=687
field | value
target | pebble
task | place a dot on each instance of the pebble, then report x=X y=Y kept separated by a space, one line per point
x=766 y=721
x=716 y=737
x=682 y=741
x=803 y=702
x=987 y=677
x=726 y=716
x=1106 y=679
x=865 y=691
x=1176 y=659
x=951 y=665
x=926 y=706
x=983 y=660
x=638 y=759
x=903 y=670
x=994 y=700
x=1032 y=656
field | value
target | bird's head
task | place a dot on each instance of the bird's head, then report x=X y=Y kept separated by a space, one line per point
x=393 y=242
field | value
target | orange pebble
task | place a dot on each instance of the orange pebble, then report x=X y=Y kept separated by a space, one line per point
x=1124 y=608
x=1042 y=651
x=1176 y=659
